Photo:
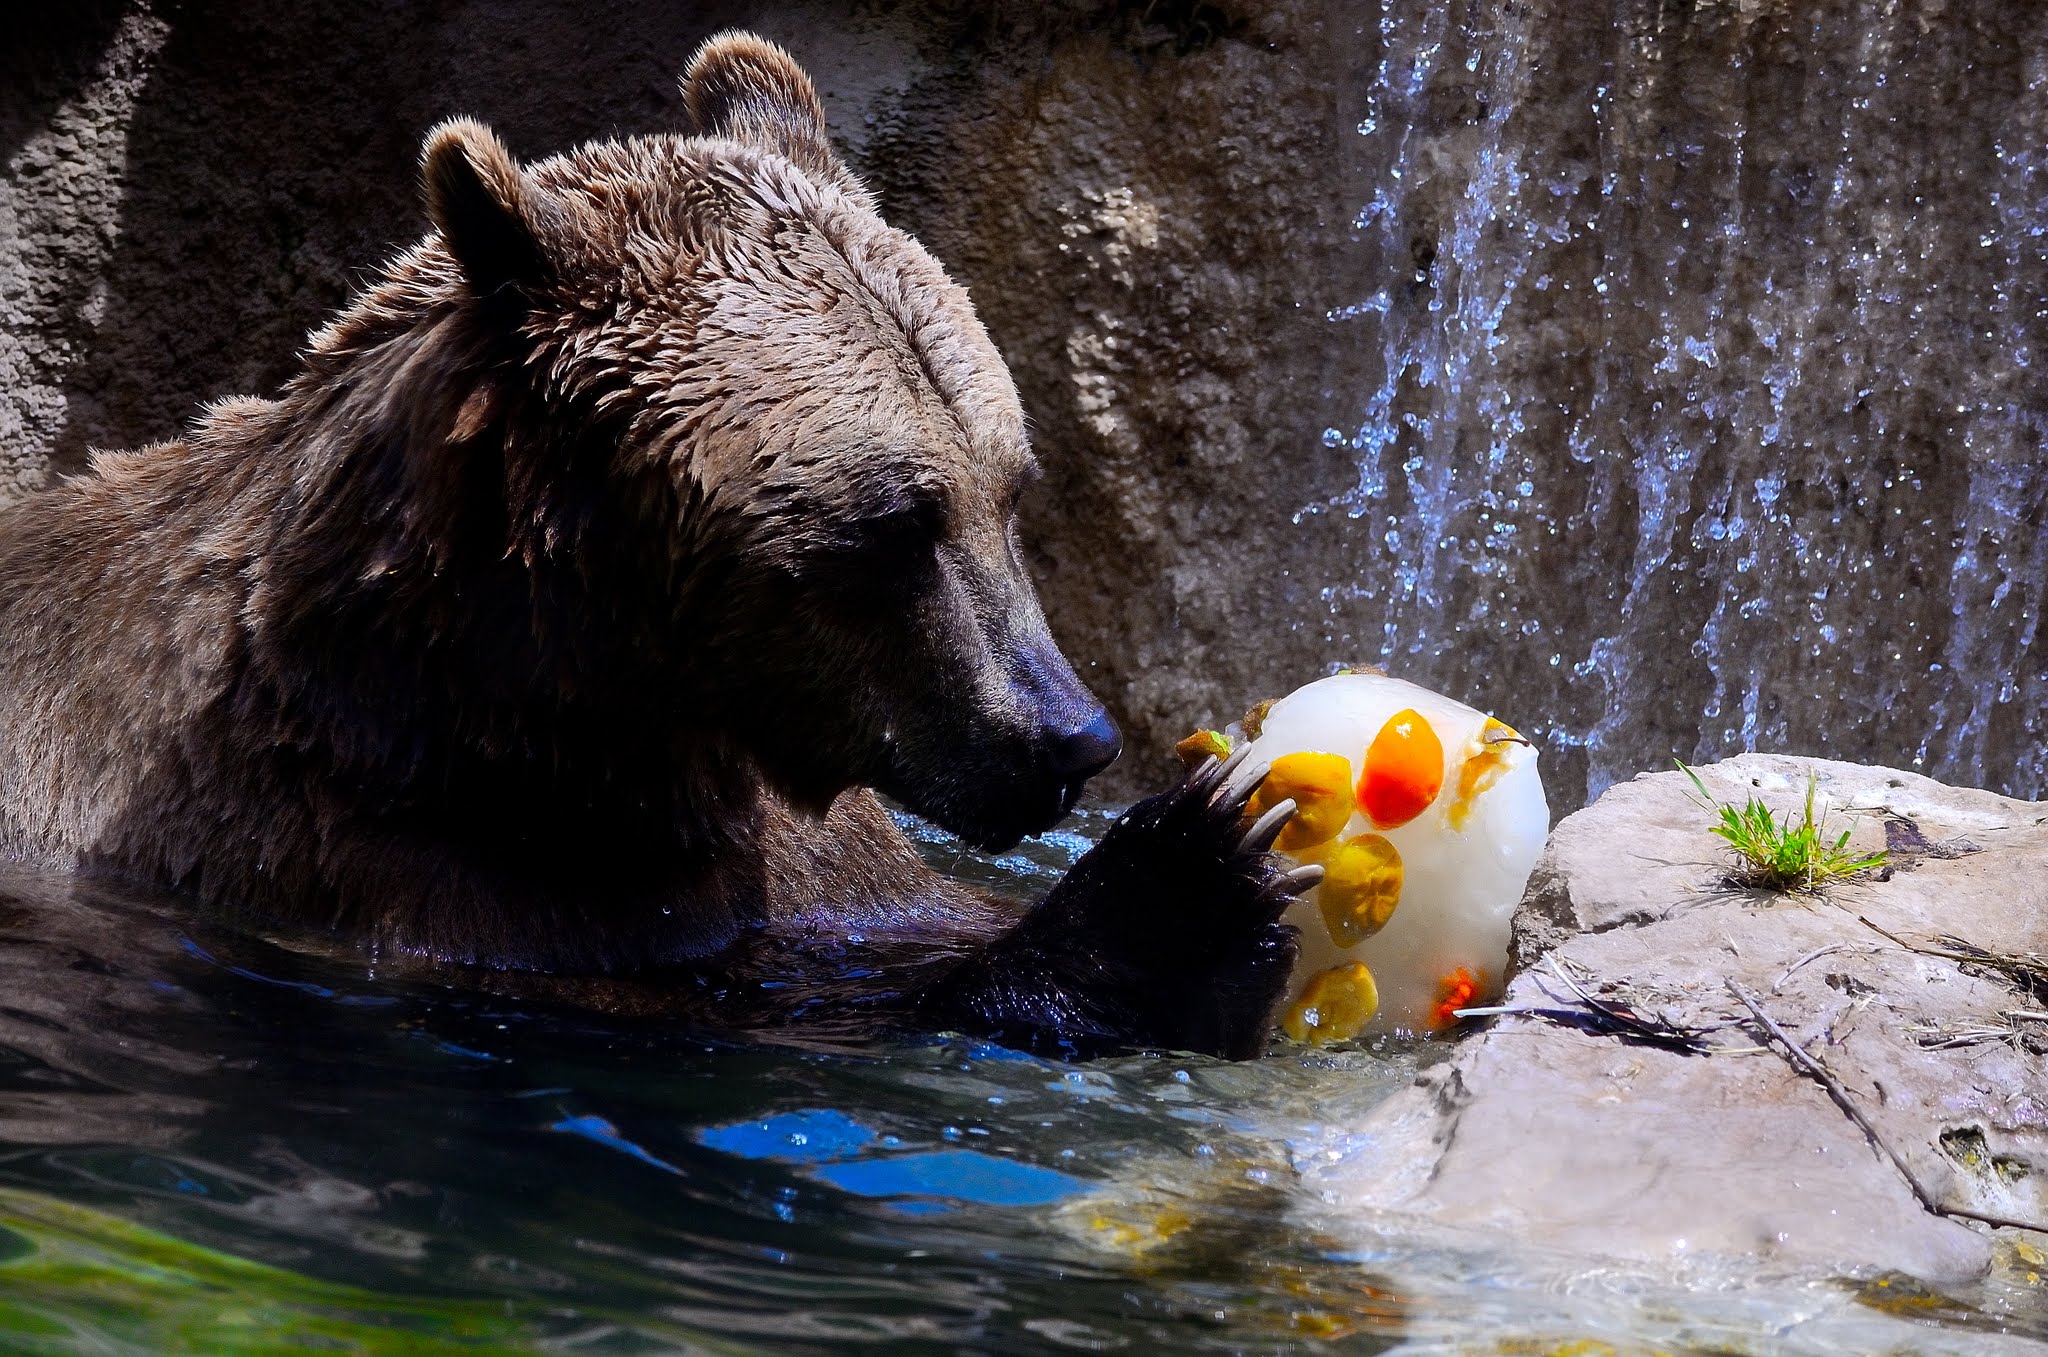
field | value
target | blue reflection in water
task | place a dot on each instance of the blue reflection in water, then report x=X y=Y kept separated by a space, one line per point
x=304 y=986
x=193 y=949
x=830 y=1142
x=961 y=1175
x=607 y=1135
x=808 y=1137
x=466 y=1052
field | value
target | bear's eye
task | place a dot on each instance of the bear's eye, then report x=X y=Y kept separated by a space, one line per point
x=897 y=536
x=918 y=523
x=1027 y=477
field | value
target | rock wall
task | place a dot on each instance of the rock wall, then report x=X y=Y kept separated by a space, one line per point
x=1660 y=377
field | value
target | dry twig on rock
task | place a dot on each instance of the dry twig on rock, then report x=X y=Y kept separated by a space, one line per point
x=1604 y=1017
x=1805 y=1063
x=2026 y=972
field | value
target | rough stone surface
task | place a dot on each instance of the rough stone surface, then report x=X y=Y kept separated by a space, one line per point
x=1300 y=297
x=1541 y=1132
x=70 y=94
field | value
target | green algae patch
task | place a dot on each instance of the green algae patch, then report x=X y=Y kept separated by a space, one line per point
x=74 y=1278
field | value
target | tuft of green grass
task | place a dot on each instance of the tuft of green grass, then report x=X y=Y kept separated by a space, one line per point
x=1792 y=854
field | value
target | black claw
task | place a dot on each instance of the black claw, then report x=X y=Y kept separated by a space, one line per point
x=1203 y=778
x=1259 y=838
x=1238 y=788
x=1214 y=775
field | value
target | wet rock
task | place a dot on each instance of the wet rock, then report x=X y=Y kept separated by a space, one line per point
x=71 y=76
x=1541 y=1132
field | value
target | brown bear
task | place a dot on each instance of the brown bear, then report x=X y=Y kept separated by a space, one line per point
x=559 y=613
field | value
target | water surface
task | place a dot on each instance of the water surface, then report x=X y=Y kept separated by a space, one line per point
x=216 y=1142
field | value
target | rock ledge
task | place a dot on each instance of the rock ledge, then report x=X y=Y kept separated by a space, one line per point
x=1575 y=1140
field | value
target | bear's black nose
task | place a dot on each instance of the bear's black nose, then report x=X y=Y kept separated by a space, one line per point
x=1083 y=753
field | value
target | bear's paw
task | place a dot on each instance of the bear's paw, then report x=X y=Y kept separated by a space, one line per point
x=1164 y=935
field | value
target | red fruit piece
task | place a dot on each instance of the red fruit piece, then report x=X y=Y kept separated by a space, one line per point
x=1404 y=770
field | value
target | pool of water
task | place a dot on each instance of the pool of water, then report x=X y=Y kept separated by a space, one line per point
x=216 y=1142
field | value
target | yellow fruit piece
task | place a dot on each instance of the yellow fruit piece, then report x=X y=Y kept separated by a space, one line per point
x=1203 y=744
x=1335 y=1005
x=1361 y=885
x=1320 y=785
x=1486 y=762
x=1404 y=770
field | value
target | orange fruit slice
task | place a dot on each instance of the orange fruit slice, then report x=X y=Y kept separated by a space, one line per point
x=1404 y=770
x=1454 y=991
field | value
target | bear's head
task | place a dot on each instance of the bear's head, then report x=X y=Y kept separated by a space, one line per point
x=805 y=431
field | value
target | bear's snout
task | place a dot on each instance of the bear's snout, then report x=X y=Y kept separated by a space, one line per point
x=1076 y=737
x=1083 y=751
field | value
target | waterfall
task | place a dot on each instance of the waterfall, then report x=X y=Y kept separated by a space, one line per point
x=1707 y=416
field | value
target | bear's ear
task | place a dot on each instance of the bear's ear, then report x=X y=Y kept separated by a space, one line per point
x=496 y=220
x=746 y=89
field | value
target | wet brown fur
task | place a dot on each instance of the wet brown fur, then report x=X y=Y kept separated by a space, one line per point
x=449 y=625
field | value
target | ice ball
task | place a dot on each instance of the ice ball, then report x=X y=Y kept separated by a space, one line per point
x=1427 y=817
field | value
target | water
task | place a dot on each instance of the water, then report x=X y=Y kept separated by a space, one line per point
x=1702 y=410
x=218 y=1142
